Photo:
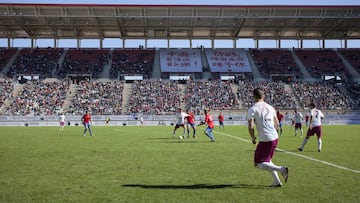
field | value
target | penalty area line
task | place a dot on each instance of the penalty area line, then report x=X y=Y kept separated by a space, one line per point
x=296 y=154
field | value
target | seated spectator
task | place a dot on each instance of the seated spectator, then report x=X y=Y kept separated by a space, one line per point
x=36 y=61
x=100 y=98
x=154 y=97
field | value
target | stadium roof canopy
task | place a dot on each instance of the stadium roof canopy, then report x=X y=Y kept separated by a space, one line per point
x=178 y=21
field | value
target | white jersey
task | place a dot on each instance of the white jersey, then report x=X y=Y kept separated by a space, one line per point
x=298 y=117
x=62 y=118
x=316 y=115
x=264 y=115
x=180 y=118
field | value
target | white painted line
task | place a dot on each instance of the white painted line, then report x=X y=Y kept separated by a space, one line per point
x=297 y=154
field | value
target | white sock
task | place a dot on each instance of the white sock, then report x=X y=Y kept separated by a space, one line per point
x=268 y=166
x=319 y=144
x=276 y=178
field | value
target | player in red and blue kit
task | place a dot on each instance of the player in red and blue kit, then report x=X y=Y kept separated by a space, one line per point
x=86 y=120
x=190 y=123
x=210 y=125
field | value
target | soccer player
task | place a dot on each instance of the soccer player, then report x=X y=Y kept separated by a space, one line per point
x=86 y=121
x=180 y=122
x=210 y=124
x=190 y=123
x=62 y=121
x=263 y=116
x=107 y=121
x=221 y=121
x=307 y=118
x=298 y=122
x=280 y=118
x=314 y=127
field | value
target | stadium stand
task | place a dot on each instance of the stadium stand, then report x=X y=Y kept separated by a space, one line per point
x=39 y=98
x=275 y=62
x=216 y=94
x=320 y=62
x=276 y=94
x=84 y=62
x=98 y=97
x=38 y=61
x=327 y=96
x=154 y=97
x=132 y=62
x=5 y=56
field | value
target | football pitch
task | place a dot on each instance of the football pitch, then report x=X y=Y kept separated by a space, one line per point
x=145 y=164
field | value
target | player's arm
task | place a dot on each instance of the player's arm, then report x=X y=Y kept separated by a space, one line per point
x=276 y=123
x=251 y=129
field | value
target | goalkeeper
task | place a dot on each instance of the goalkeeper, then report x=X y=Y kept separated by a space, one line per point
x=210 y=124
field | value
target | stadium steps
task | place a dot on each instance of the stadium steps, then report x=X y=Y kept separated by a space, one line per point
x=234 y=89
x=350 y=68
x=18 y=88
x=59 y=62
x=11 y=61
x=69 y=97
x=156 y=72
x=288 y=88
x=255 y=71
x=126 y=94
x=182 y=88
x=306 y=74
x=106 y=70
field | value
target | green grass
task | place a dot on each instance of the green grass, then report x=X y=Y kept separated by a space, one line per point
x=144 y=164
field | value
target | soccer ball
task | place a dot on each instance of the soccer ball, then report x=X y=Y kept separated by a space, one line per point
x=181 y=137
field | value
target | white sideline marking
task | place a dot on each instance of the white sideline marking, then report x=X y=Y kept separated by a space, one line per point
x=297 y=154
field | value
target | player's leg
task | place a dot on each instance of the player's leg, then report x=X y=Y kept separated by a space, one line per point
x=91 y=133
x=309 y=133
x=319 y=135
x=194 y=130
x=208 y=132
x=85 y=129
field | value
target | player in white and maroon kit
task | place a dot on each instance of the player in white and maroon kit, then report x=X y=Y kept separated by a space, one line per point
x=263 y=116
x=314 y=127
x=180 y=122
x=298 y=118
x=62 y=121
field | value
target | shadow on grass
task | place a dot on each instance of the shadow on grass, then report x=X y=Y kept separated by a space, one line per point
x=196 y=186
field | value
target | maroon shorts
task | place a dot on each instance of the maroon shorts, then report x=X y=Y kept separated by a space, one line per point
x=315 y=130
x=298 y=126
x=179 y=125
x=62 y=123
x=265 y=151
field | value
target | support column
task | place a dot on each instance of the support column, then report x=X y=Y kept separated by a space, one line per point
x=212 y=43
x=33 y=43
x=234 y=43
x=55 y=44
x=101 y=43
x=123 y=43
x=8 y=42
x=78 y=43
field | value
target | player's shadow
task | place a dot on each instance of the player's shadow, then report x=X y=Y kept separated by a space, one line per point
x=196 y=186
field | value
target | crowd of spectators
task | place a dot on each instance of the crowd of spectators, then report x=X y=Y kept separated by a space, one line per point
x=275 y=61
x=39 y=98
x=325 y=95
x=38 y=61
x=84 y=62
x=275 y=94
x=98 y=97
x=213 y=94
x=5 y=56
x=352 y=56
x=6 y=88
x=319 y=62
x=154 y=97
x=354 y=90
x=132 y=62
